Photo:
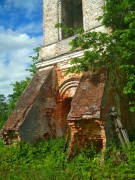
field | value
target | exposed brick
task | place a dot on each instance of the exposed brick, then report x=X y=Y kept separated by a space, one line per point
x=52 y=96
x=84 y=118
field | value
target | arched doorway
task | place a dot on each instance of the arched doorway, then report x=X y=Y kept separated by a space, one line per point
x=64 y=99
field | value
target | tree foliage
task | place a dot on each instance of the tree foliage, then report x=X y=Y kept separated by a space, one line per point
x=18 y=88
x=116 y=48
x=3 y=109
x=33 y=69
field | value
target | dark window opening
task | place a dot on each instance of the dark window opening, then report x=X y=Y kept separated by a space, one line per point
x=66 y=106
x=72 y=15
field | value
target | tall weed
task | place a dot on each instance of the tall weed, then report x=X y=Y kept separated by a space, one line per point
x=47 y=160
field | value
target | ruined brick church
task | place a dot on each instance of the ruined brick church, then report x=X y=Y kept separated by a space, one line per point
x=54 y=103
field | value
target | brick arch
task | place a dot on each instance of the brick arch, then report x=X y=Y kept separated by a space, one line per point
x=67 y=85
x=65 y=94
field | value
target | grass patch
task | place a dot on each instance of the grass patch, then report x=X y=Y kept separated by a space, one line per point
x=46 y=160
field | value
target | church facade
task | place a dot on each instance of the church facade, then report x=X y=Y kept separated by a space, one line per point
x=55 y=104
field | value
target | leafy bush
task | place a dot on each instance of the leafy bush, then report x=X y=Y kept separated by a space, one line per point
x=46 y=160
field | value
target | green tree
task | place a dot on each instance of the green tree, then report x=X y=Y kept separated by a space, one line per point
x=18 y=88
x=3 y=110
x=33 y=69
x=114 y=49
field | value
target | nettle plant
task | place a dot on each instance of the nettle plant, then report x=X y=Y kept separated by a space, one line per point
x=114 y=49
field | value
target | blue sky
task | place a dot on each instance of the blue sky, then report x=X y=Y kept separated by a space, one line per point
x=20 y=32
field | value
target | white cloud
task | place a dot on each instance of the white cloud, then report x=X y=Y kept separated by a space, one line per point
x=10 y=40
x=31 y=28
x=15 y=49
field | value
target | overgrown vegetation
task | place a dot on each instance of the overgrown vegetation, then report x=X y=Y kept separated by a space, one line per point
x=46 y=160
x=3 y=110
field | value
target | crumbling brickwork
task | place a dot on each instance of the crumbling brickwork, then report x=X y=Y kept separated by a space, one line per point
x=43 y=112
x=84 y=117
x=55 y=102
x=67 y=88
x=33 y=117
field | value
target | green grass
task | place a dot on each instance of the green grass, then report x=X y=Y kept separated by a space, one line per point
x=47 y=161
